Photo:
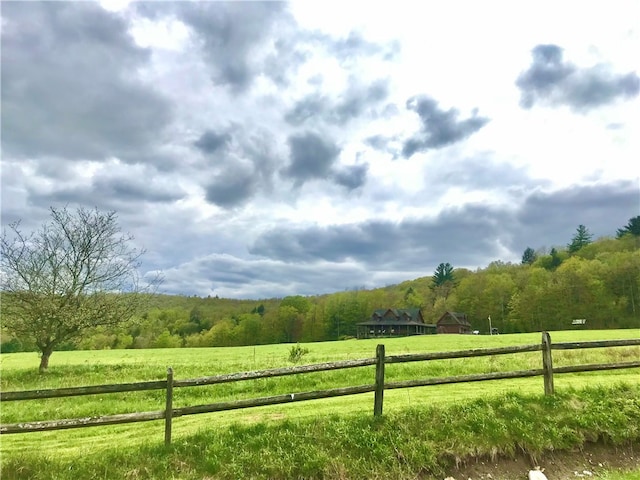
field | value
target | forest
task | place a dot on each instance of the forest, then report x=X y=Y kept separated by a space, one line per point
x=595 y=280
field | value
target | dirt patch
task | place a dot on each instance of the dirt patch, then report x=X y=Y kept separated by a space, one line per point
x=592 y=460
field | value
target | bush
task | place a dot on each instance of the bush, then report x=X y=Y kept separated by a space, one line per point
x=296 y=352
x=12 y=346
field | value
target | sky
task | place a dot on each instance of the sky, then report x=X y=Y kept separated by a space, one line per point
x=259 y=150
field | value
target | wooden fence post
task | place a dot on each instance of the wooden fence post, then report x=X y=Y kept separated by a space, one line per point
x=168 y=412
x=379 y=393
x=547 y=363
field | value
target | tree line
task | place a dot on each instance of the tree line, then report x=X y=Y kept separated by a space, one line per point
x=597 y=280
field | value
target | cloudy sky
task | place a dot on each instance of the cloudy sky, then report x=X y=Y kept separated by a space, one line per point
x=267 y=149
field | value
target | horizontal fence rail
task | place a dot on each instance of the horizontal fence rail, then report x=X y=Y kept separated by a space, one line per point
x=81 y=391
x=477 y=377
x=82 y=422
x=479 y=352
x=595 y=344
x=379 y=361
x=193 y=382
x=274 y=372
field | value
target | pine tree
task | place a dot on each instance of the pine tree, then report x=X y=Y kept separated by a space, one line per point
x=442 y=275
x=529 y=256
x=581 y=239
x=443 y=280
x=631 y=228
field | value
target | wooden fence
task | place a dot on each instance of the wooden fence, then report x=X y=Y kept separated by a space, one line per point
x=379 y=386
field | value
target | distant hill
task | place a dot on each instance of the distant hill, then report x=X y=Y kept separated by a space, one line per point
x=598 y=282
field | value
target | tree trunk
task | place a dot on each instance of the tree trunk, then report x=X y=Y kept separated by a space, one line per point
x=44 y=358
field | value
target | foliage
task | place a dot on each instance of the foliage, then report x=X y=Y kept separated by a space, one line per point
x=296 y=352
x=11 y=346
x=300 y=303
x=551 y=261
x=77 y=272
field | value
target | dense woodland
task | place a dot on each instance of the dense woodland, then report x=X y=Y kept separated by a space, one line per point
x=593 y=280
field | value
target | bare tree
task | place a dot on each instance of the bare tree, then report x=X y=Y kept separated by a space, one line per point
x=78 y=271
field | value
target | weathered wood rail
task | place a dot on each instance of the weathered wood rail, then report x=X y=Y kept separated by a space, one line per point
x=379 y=386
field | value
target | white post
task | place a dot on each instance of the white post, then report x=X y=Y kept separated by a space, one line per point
x=490 y=329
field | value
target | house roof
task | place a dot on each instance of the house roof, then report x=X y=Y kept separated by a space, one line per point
x=394 y=322
x=412 y=313
x=395 y=316
x=454 y=318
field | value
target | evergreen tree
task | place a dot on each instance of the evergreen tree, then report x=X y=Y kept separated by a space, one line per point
x=529 y=256
x=555 y=259
x=442 y=275
x=443 y=280
x=631 y=228
x=581 y=239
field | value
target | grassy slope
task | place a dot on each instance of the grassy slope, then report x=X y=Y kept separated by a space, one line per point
x=417 y=441
x=82 y=368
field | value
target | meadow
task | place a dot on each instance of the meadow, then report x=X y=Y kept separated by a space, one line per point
x=77 y=368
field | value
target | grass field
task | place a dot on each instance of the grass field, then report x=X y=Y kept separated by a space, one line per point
x=19 y=372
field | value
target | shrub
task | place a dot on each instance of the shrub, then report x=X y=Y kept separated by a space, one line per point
x=11 y=346
x=296 y=352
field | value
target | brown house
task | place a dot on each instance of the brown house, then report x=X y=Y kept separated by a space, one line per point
x=394 y=322
x=453 y=322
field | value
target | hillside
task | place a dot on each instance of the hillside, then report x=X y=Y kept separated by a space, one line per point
x=598 y=282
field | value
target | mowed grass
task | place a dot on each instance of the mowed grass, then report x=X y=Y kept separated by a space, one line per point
x=423 y=441
x=19 y=372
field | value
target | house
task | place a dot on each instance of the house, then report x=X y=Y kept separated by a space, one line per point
x=394 y=322
x=453 y=322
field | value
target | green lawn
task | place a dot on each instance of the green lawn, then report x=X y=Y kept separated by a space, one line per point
x=423 y=441
x=77 y=368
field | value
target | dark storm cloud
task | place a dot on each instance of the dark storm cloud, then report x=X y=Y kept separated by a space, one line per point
x=352 y=176
x=261 y=278
x=210 y=141
x=356 y=101
x=553 y=81
x=312 y=157
x=471 y=235
x=440 y=128
x=134 y=189
x=383 y=244
x=243 y=167
x=233 y=187
x=68 y=85
x=122 y=191
x=555 y=216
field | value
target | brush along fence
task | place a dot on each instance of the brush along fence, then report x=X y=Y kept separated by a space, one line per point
x=379 y=386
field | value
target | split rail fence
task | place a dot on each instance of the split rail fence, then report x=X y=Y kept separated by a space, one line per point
x=379 y=386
